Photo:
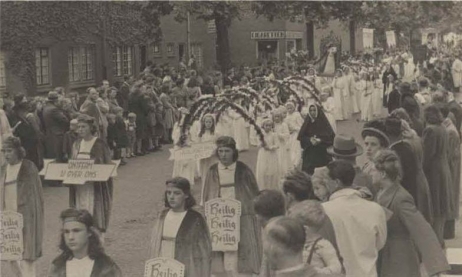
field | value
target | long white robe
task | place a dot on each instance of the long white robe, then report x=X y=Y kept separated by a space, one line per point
x=283 y=135
x=294 y=122
x=457 y=73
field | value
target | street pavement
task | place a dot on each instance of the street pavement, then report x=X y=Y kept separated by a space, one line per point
x=138 y=197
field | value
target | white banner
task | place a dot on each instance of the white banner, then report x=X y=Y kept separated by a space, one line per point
x=196 y=151
x=391 y=39
x=160 y=267
x=368 y=38
x=11 y=238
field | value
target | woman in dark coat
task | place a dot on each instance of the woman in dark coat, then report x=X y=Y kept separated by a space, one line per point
x=315 y=136
x=388 y=71
x=411 y=240
x=190 y=244
x=436 y=168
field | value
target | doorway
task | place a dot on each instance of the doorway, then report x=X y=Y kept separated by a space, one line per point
x=267 y=50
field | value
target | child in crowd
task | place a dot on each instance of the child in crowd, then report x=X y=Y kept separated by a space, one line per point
x=117 y=135
x=328 y=106
x=283 y=135
x=318 y=252
x=69 y=138
x=131 y=132
x=267 y=159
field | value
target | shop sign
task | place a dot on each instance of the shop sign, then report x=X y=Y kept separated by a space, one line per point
x=268 y=35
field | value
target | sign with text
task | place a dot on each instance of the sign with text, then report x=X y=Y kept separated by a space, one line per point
x=11 y=237
x=224 y=222
x=391 y=38
x=163 y=267
x=77 y=172
x=276 y=35
x=194 y=152
x=368 y=38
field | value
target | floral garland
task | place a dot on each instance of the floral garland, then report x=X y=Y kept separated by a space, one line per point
x=285 y=88
x=309 y=86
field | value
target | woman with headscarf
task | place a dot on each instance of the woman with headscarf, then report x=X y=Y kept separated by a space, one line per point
x=436 y=168
x=315 y=136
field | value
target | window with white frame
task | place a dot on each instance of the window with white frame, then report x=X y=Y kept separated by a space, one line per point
x=2 y=69
x=81 y=63
x=42 y=65
x=122 y=58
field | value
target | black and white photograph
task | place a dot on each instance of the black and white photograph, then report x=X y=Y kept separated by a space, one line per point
x=230 y=138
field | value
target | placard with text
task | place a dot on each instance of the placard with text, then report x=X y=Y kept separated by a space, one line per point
x=78 y=172
x=163 y=267
x=11 y=238
x=224 y=221
x=196 y=152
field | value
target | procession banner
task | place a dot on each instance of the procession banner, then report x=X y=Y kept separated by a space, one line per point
x=163 y=267
x=368 y=38
x=11 y=238
x=194 y=152
x=391 y=38
x=77 y=172
x=224 y=219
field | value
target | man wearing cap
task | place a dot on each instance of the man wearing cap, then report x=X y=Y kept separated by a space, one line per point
x=360 y=225
x=56 y=125
x=232 y=179
x=82 y=252
x=346 y=149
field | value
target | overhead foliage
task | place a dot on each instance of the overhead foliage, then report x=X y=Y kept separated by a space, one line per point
x=24 y=24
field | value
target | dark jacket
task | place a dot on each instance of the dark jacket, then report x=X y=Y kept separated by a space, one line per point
x=56 y=125
x=103 y=267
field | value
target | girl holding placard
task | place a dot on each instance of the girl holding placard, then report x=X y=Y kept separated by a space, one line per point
x=180 y=232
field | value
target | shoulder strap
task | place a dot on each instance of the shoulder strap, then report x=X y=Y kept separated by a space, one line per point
x=313 y=248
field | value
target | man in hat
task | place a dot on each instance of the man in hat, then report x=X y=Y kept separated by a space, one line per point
x=56 y=125
x=360 y=225
x=346 y=149
x=232 y=179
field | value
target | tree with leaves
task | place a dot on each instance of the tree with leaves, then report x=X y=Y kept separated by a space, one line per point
x=25 y=24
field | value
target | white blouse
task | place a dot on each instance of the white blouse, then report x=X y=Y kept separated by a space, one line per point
x=79 y=268
x=226 y=175
x=11 y=187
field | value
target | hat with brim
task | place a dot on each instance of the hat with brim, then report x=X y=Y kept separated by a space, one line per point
x=345 y=146
x=53 y=95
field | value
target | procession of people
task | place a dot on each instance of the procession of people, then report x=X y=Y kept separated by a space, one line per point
x=308 y=209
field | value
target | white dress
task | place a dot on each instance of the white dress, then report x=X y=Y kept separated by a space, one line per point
x=338 y=85
x=350 y=85
x=172 y=224
x=329 y=109
x=377 y=97
x=225 y=125
x=184 y=168
x=205 y=164
x=267 y=173
x=79 y=267
x=366 y=100
x=10 y=190
x=85 y=194
x=283 y=135
x=456 y=70
x=294 y=122
x=241 y=131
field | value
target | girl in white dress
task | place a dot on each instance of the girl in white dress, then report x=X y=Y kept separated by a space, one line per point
x=225 y=124
x=207 y=133
x=294 y=121
x=350 y=86
x=267 y=160
x=377 y=96
x=241 y=131
x=282 y=132
x=183 y=168
x=327 y=102
x=364 y=86
x=339 y=88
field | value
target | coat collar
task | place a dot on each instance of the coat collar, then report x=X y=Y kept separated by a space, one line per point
x=344 y=192
x=385 y=197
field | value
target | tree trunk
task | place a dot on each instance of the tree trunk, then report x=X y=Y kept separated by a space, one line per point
x=352 y=29
x=222 y=44
x=310 y=39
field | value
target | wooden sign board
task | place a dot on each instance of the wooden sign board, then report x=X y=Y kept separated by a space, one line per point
x=224 y=221
x=77 y=172
x=163 y=267
x=11 y=238
x=194 y=152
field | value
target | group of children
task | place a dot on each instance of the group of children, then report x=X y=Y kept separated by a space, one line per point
x=121 y=135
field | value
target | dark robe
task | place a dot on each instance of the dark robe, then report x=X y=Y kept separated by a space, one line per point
x=456 y=109
x=386 y=83
x=30 y=206
x=250 y=245
x=437 y=171
x=103 y=267
x=103 y=191
x=394 y=100
x=192 y=243
x=410 y=239
x=315 y=155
